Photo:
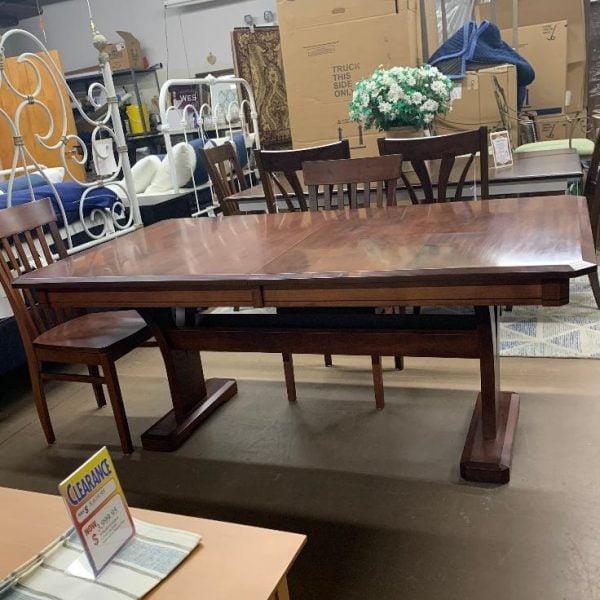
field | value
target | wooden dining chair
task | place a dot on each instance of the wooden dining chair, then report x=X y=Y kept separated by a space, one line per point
x=440 y=154
x=350 y=183
x=63 y=336
x=226 y=175
x=279 y=170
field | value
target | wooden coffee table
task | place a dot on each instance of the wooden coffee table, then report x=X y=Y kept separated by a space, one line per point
x=233 y=561
x=474 y=254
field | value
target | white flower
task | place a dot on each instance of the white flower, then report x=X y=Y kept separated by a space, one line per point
x=385 y=107
x=417 y=98
x=430 y=106
x=396 y=93
x=410 y=80
x=428 y=118
x=439 y=87
x=388 y=79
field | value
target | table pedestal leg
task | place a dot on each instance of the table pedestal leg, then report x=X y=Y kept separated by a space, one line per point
x=194 y=398
x=487 y=455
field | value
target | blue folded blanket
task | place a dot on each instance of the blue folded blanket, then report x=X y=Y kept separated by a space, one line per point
x=70 y=193
x=476 y=46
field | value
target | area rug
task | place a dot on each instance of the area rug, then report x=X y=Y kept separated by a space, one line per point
x=571 y=331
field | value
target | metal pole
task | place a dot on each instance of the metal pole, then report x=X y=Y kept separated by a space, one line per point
x=424 y=32
x=138 y=97
x=444 y=21
x=100 y=44
x=515 y=18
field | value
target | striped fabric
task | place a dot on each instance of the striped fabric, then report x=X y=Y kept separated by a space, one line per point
x=136 y=570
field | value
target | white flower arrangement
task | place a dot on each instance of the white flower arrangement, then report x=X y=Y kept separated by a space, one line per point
x=400 y=97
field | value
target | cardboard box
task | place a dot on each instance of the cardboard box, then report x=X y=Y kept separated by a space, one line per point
x=329 y=45
x=475 y=102
x=561 y=127
x=576 y=96
x=545 y=47
x=534 y=12
x=126 y=55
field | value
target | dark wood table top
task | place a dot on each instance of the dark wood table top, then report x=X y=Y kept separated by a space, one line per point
x=530 y=166
x=459 y=243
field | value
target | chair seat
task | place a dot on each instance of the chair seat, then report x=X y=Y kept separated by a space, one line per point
x=584 y=147
x=97 y=332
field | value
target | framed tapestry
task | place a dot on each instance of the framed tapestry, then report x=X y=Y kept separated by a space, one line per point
x=257 y=59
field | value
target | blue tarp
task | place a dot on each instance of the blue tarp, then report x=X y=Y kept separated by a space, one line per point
x=476 y=46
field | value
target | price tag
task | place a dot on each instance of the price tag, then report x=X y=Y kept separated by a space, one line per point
x=501 y=149
x=99 y=512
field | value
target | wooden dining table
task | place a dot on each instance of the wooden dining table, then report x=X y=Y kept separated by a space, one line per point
x=542 y=172
x=481 y=254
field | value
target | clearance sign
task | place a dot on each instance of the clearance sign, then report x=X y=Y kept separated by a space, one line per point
x=98 y=508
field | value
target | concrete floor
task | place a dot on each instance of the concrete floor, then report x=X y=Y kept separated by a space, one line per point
x=378 y=493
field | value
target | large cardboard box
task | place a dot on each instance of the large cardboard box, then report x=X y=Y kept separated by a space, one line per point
x=475 y=102
x=545 y=47
x=127 y=54
x=562 y=127
x=329 y=45
x=534 y=12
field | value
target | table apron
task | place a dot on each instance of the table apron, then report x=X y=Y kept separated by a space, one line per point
x=546 y=293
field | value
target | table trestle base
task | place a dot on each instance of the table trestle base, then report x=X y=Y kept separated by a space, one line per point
x=489 y=461
x=168 y=433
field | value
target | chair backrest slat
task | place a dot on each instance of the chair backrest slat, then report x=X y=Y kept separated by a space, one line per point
x=226 y=174
x=39 y=232
x=24 y=248
x=381 y=171
x=271 y=163
x=33 y=250
x=422 y=153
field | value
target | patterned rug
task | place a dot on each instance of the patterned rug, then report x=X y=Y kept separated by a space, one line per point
x=571 y=331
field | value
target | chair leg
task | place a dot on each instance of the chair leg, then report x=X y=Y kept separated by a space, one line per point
x=328 y=360
x=378 y=382
x=116 y=400
x=399 y=360
x=94 y=371
x=41 y=404
x=595 y=283
x=290 y=380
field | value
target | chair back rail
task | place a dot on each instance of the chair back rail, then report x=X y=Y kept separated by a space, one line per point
x=420 y=152
x=275 y=164
x=224 y=170
x=25 y=232
x=340 y=180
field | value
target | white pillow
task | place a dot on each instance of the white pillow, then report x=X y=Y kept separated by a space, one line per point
x=54 y=175
x=144 y=171
x=184 y=159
